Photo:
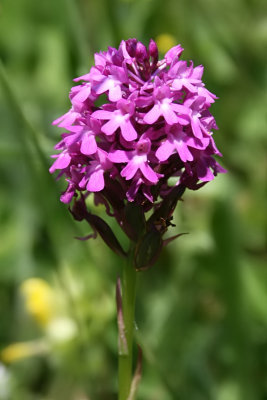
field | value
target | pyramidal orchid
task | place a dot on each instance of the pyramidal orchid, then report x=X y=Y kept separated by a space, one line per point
x=135 y=122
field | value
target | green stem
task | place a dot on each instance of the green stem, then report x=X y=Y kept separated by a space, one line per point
x=128 y=305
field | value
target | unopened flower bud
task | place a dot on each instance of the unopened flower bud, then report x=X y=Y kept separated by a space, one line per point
x=153 y=51
x=131 y=46
x=141 y=52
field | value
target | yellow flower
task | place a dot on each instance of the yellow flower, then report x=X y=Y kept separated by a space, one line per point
x=165 y=41
x=17 y=351
x=39 y=299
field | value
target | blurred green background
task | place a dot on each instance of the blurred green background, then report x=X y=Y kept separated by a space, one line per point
x=202 y=310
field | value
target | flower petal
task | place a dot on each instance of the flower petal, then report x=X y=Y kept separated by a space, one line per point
x=88 y=145
x=168 y=114
x=130 y=170
x=118 y=156
x=83 y=93
x=102 y=114
x=114 y=93
x=110 y=127
x=183 y=151
x=96 y=181
x=62 y=162
x=203 y=171
x=153 y=114
x=148 y=173
x=127 y=130
x=165 y=150
x=196 y=128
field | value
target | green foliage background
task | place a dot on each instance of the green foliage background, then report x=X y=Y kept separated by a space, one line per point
x=202 y=310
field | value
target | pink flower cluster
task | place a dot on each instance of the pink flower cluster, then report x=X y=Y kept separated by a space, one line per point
x=134 y=123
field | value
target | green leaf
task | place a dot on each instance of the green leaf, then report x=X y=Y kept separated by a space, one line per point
x=134 y=223
x=106 y=233
x=148 y=249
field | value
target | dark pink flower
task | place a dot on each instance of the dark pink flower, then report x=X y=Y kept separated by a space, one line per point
x=119 y=118
x=136 y=160
x=135 y=122
x=165 y=106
